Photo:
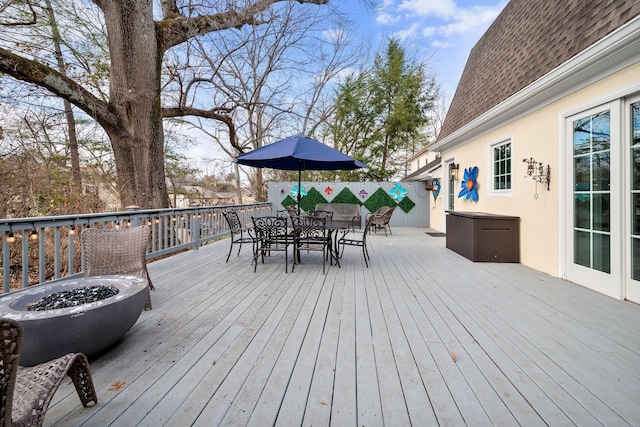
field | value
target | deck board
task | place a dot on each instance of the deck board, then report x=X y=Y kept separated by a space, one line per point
x=365 y=346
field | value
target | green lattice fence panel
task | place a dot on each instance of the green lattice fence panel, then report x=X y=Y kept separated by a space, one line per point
x=313 y=197
x=346 y=196
x=288 y=201
x=379 y=199
x=406 y=204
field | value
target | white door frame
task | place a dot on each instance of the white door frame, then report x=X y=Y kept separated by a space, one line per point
x=609 y=284
x=631 y=287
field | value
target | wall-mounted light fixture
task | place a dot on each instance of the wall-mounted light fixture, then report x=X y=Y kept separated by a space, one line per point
x=453 y=171
x=538 y=172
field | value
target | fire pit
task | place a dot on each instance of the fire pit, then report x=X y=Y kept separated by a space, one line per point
x=87 y=328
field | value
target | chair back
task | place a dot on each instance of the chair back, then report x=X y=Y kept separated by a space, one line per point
x=310 y=228
x=270 y=227
x=382 y=210
x=370 y=221
x=115 y=251
x=386 y=216
x=10 y=346
x=235 y=226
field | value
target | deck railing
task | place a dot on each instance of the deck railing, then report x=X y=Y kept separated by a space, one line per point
x=38 y=250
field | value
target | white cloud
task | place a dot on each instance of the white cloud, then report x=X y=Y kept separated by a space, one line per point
x=407 y=33
x=429 y=31
x=440 y=44
x=387 y=19
x=469 y=19
x=444 y=9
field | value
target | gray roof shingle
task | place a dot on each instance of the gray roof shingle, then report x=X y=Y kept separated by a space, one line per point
x=526 y=41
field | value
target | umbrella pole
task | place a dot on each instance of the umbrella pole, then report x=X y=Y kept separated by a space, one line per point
x=299 y=172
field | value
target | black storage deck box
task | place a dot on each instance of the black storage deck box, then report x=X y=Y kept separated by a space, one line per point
x=484 y=237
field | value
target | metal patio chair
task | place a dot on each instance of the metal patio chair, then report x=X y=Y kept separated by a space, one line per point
x=272 y=234
x=26 y=392
x=351 y=240
x=310 y=233
x=237 y=231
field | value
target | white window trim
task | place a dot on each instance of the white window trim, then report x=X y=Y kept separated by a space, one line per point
x=490 y=176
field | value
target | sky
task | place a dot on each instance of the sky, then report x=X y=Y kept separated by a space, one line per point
x=440 y=31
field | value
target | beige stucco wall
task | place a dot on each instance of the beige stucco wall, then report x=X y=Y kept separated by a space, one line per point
x=537 y=136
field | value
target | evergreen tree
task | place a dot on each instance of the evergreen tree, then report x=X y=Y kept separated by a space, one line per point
x=382 y=114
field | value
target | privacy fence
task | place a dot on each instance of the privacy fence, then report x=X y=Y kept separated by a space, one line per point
x=411 y=200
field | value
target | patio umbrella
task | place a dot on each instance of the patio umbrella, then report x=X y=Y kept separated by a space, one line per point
x=299 y=152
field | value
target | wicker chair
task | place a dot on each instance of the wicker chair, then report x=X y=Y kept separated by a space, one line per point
x=117 y=252
x=26 y=392
x=348 y=240
x=382 y=220
x=238 y=232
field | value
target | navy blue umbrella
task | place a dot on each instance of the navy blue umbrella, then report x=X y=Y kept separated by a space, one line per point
x=299 y=152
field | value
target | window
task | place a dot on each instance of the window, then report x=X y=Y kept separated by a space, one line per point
x=501 y=159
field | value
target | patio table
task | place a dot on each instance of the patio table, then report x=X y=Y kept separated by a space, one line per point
x=335 y=227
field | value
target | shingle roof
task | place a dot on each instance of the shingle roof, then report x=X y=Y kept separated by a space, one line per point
x=526 y=41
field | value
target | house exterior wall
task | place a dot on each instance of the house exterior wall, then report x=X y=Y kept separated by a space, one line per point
x=538 y=134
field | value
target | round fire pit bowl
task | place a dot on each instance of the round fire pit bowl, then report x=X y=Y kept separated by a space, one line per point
x=87 y=328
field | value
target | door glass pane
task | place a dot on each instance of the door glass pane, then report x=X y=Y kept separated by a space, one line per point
x=582 y=136
x=635 y=167
x=582 y=173
x=601 y=172
x=582 y=211
x=635 y=257
x=582 y=248
x=451 y=196
x=635 y=214
x=601 y=131
x=601 y=212
x=601 y=252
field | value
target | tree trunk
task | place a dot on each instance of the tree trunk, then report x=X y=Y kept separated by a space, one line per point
x=138 y=140
x=68 y=111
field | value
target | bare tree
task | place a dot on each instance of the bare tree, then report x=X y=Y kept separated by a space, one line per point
x=269 y=81
x=132 y=113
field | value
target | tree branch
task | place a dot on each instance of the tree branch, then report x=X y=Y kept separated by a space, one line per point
x=34 y=72
x=176 y=29
x=220 y=114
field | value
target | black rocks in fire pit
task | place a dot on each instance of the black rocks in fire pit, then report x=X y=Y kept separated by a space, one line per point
x=74 y=297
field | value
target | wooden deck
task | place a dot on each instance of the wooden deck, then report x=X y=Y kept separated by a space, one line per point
x=423 y=337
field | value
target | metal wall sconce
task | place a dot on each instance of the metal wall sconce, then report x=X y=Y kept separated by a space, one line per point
x=453 y=171
x=538 y=172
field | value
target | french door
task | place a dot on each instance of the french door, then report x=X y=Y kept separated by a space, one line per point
x=603 y=210
x=633 y=193
x=593 y=210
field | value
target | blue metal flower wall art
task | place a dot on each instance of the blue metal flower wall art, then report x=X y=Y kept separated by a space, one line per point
x=470 y=184
x=294 y=191
x=398 y=192
x=363 y=193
